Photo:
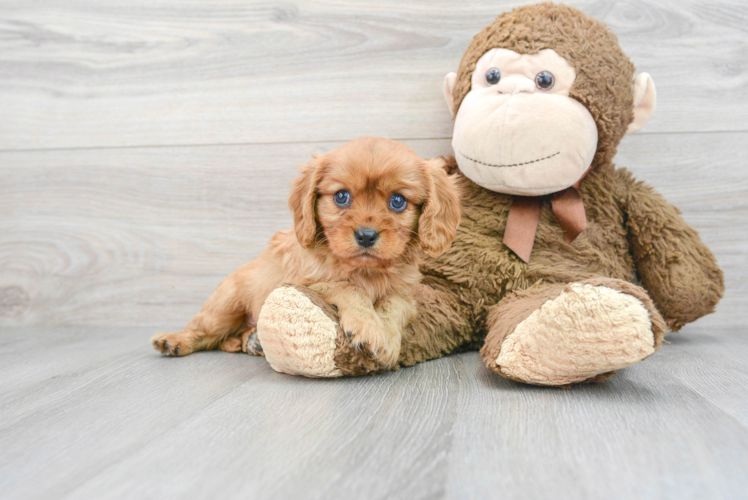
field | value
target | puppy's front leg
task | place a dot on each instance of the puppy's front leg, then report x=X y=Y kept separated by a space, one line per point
x=359 y=319
x=396 y=313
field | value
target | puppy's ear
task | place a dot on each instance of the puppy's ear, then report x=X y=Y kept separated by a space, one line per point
x=441 y=211
x=303 y=201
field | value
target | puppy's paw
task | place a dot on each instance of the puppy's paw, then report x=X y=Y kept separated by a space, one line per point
x=251 y=344
x=371 y=335
x=231 y=344
x=385 y=347
x=173 y=344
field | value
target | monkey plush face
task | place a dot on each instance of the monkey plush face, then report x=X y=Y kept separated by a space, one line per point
x=543 y=95
x=517 y=131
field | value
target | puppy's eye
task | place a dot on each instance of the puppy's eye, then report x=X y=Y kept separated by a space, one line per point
x=343 y=198
x=398 y=202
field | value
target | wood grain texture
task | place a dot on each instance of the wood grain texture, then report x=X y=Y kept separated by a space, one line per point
x=170 y=72
x=143 y=236
x=94 y=413
x=146 y=148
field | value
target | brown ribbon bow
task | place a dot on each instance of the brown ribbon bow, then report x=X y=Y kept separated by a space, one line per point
x=524 y=216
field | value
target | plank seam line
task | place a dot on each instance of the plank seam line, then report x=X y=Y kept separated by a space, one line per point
x=280 y=143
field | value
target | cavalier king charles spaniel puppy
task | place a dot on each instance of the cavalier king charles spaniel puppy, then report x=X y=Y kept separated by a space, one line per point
x=363 y=216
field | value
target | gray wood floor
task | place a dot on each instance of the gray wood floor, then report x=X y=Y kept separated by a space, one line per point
x=145 y=152
x=92 y=413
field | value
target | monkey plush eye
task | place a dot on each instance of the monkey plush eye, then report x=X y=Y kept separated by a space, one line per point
x=493 y=76
x=343 y=198
x=545 y=80
x=398 y=202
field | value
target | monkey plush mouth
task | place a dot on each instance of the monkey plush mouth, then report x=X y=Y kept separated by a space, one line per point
x=509 y=165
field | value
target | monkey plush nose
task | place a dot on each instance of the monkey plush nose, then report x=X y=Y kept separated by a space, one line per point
x=366 y=237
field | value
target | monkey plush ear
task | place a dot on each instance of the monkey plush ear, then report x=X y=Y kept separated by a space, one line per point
x=645 y=99
x=449 y=85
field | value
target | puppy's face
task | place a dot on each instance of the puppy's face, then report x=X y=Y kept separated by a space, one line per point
x=372 y=200
x=369 y=202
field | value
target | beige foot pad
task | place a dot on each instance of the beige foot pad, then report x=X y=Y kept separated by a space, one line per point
x=296 y=335
x=585 y=331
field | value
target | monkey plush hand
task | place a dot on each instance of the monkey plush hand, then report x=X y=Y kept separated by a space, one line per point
x=552 y=234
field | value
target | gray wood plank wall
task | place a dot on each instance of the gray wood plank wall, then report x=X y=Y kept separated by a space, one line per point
x=146 y=146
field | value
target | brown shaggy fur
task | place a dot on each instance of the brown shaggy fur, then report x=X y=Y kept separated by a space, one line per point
x=631 y=229
x=371 y=287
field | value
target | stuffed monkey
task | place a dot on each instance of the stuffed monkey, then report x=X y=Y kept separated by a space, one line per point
x=541 y=274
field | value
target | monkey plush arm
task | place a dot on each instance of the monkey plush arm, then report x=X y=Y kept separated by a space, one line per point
x=677 y=269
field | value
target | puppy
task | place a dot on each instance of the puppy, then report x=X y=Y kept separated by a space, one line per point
x=363 y=214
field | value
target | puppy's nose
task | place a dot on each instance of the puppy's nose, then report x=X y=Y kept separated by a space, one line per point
x=366 y=237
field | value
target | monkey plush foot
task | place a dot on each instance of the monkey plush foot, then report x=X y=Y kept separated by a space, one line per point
x=251 y=344
x=300 y=335
x=563 y=334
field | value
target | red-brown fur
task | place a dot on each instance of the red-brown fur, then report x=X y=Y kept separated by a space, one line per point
x=371 y=287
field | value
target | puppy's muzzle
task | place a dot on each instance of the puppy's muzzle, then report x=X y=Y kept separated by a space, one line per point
x=366 y=237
